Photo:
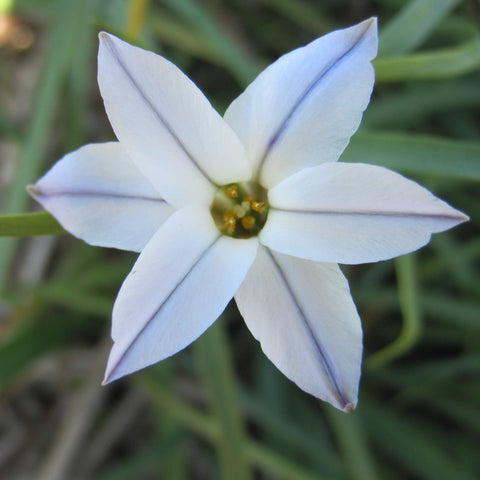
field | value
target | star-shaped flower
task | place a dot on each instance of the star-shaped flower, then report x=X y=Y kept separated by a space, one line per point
x=253 y=206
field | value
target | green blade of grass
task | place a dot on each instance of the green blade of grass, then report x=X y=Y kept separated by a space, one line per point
x=143 y=462
x=407 y=284
x=218 y=377
x=306 y=15
x=137 y=12
x=37 y=336
x=412 y=25
x=417 y=450
x=444 y=63
x=410 y=106
x=72 y=17
x=184 y=38
x=353 y=444
x=209 y=429
x=295 y=437
x=29 y=224
x=416 y=154
x=242 y=66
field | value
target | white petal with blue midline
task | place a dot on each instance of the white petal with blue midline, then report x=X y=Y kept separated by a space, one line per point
x=305 y=319
x=98 y=194
x=353 y=213
x=302 y=110
x=180 y=284
x=170 y=129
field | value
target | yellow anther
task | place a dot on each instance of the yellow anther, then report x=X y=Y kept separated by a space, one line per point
x=229 y=220
x=240 y=210
x=257 y=206
x=232 y=191
x=248 y=222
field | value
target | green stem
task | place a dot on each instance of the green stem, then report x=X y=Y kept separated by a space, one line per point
x=353 y=444
x=443 y=63
x=218 y=376
x=409 y=305
x=29 y=224
x=72 y=16
x=207 y=427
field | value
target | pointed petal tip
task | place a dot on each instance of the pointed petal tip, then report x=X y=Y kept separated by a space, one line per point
x=103 y=35
x=371 y=22
x=369 y=25
x=32 y=190
x=349 y=407
x=457 y=215
x=371 y=28
x=105 y=38
x=109 y=377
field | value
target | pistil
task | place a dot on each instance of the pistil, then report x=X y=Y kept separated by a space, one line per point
x=240 y=209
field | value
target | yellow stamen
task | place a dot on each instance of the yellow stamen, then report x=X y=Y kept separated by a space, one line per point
x=230 y=220
x=257 y=206
x=248 y=222
x=232 y=191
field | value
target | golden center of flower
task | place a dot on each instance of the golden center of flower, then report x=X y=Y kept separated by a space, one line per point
x=240 y=209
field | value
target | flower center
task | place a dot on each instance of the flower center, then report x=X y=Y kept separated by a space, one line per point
x=240 y=209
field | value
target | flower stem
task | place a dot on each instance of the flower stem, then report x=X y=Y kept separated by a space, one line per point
x=29 y=224
x=208 y=428
x=219 y=379
x=409 y=305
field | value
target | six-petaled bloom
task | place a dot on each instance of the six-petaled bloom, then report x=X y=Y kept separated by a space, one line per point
x=253 y=206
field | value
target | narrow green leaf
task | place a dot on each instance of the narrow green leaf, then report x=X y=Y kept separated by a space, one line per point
x=218 y=377
x=305 y=14
x=412 y=25
x=444 y=63
x=8 y=128
x=175 y=466
x=184 y=38
x=141 y=463
x=84 y=301
x=416 y=154
x=242 y=66
x=407 y=284
x=29 y=224
x=410 y=106
x=353 y=444
x=137 y=11
x=461 y=411
x=440 y=308
x=313 y=442
x=208 y=428
x=71 y=16
x=36 y=336
x=418 y=450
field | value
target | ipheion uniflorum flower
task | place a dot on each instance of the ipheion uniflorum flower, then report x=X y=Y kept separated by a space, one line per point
x=259 y=190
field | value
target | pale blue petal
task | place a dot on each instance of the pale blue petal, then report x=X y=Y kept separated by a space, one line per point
x=98 y=195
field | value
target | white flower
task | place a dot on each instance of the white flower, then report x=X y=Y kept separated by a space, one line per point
x=252 y=206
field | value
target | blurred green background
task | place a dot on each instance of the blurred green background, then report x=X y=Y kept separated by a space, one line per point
x=219 y=409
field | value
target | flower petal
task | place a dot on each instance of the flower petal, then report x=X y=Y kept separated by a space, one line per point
x=180 y=143
x=180 y=284
x=99 y=195
x=304 y=317
x=353 y=213
x=302 y=110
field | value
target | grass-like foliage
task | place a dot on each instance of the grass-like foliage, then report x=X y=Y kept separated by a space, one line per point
x=219 y=409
